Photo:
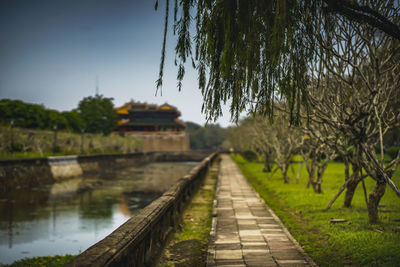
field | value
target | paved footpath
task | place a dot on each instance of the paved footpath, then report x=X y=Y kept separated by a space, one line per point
x=245 y=231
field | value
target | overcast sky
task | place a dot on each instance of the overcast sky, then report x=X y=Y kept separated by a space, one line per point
x=51 y=52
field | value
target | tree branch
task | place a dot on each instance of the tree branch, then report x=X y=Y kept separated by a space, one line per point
x=363 y=14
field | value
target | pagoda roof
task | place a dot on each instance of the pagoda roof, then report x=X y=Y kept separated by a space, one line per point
x=152 y=123
x=138 y=106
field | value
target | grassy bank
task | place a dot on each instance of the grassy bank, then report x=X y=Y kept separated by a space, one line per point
x=23 y=143
x=355 y=242
x=188 y=245
x=48 y=261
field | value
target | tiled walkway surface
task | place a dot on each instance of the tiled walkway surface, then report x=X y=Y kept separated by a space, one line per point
x=245 y=231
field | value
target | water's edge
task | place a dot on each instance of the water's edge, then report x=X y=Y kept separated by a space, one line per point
x=28 y=173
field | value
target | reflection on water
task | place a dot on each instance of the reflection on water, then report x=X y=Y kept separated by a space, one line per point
x=68 y=217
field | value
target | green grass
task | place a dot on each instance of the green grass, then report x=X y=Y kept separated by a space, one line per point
x=386 y=158
x=22 y=155
x=48 y=261
x=356 y=242
x=24 y=143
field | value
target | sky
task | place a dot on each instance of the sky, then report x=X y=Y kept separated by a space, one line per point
x=51 y=52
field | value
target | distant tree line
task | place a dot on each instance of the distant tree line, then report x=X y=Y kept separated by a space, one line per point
x=210 y=137
x=94 y=114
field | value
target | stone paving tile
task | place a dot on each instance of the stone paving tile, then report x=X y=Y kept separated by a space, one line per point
x=260 y=212
x=223 y=208
x=227 y=246
x=268 y=220
x=255 y=247
x=256 y=232
x=255 y=252
x=292 y=262
x=226 y=233
x=268 y=225
x=281 y=245
x=227 y=241
x=245 y=232
x=246 y=222
x=231 y=262
x=242 y=209
x=252 y=239
x=261 y=243
x=226 y=236
x=260 y=261
x=290 y=254
x=228 y=254
x=271 y=230
x=249 y=227
x=276 y=238
x=225 y=213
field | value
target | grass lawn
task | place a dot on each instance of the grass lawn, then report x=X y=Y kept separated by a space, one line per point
x=354 y=243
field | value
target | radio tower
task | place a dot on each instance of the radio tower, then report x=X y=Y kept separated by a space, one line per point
x=97 y=85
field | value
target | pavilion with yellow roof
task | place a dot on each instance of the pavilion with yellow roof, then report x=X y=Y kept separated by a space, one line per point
x=142 y=118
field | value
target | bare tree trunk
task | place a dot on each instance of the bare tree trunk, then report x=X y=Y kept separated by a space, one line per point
x=350 y=189
x=374 y=199
x=299 y=172
x=365 y=192
x=318 y=188
x=346 y=169
x=315 y=184
x=267 y=163
x=284 y=173
x=354 y=180
x=311 y=173
x=320 y=172
x=380 y=171
x=380 y=136
x=364 y=188
x=311 y=180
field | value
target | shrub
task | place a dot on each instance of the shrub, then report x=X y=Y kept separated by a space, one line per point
x=392 y=151
x=249 y=155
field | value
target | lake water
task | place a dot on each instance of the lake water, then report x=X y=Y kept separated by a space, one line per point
x=69 y=217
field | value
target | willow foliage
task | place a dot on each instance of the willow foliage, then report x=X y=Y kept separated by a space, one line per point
x=251 y=52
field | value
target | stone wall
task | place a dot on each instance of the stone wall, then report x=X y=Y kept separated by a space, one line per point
x=173 y=142
x=64 y=167
x=136 y=242
x=26 y=173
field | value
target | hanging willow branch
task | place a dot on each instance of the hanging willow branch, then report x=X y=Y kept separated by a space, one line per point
x=254 y=52
x=162 y=63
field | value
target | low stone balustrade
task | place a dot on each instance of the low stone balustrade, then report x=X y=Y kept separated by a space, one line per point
x=138 y=241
